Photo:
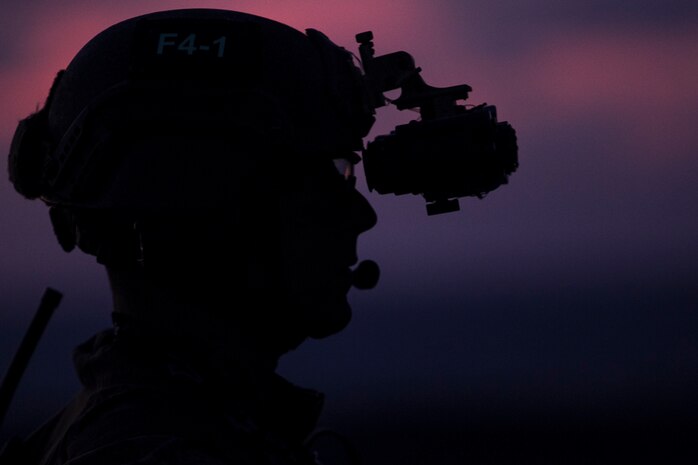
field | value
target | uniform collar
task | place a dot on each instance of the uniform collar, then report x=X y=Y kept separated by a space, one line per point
x=267 y=402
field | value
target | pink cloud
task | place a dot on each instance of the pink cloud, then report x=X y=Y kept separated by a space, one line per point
x=638 y=70
x=642 y=84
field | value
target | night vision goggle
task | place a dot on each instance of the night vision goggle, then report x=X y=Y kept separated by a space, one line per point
x=452 y=151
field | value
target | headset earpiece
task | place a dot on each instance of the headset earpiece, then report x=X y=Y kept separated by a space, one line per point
x=28 y=153
x=30 y=150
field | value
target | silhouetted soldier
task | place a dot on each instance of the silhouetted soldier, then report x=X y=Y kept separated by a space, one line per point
x=205 y=158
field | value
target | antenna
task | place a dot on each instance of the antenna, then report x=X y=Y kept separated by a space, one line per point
x=49 y=302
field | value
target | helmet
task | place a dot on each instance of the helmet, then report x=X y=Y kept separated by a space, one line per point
x=177 y=96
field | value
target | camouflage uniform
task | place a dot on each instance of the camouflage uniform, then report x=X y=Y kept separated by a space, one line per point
x=140 y=405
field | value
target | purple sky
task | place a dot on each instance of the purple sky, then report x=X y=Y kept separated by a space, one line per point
x=575 y=282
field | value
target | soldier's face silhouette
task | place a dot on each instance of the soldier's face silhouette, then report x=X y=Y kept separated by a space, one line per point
x=322 y=215
x=288 y=244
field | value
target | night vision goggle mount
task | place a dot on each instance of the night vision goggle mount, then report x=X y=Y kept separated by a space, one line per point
x=452 y=151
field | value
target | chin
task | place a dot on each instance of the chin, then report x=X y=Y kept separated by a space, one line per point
x=328 y=319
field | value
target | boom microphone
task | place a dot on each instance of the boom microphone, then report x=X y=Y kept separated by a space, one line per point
x=365 y=275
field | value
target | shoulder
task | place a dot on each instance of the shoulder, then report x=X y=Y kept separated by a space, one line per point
x=155 y=449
